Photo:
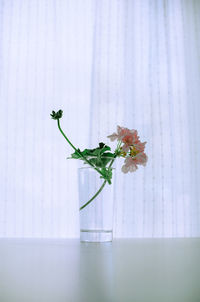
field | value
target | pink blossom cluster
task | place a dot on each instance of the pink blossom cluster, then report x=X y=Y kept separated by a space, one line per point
x=132 y=148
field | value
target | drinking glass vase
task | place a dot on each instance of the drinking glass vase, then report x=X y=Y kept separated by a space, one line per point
x=96 y=218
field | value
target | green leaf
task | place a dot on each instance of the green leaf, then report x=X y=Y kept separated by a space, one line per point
x=107 y=174
x=99 y=157
x=108 y=154
x=76 y=154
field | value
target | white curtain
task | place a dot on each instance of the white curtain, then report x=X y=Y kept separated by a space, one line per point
x=105 y=63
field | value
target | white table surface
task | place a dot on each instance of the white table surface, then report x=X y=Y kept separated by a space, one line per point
x=135 y=270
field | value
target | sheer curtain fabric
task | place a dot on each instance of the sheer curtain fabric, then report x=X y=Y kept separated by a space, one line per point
x=105 y=63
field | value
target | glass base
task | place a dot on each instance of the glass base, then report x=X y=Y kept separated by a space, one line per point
x=96 y=235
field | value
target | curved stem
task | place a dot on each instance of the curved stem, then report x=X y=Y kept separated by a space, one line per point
x=66 y=136
x=102 y=186
x=97 y=193
x=77 y=150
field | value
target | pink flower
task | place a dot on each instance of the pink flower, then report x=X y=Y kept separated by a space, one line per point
x=132 y=148
x=124 y=134
x=141 y=159
x=130 y=139
x=129 y=166
x=132 y=162
x=139 y=147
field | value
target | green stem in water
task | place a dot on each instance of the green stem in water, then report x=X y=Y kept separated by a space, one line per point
x=77 y=150
x=100 y=189
x=97 y=193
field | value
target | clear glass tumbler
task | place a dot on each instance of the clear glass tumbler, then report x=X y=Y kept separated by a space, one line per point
x=96 y=219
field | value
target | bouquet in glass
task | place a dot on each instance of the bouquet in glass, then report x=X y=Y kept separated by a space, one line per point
x=100 y=160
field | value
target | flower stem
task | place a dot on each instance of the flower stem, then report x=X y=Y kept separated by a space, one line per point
x=102 y=186
x=77 y=150
x=99 y=191
x=91 y=199
x=66 y=137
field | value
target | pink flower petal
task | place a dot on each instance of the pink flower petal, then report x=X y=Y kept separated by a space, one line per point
x=125 y=169
x=113 y=137
x=133 y=168
x=125 y=148
x=141 y=159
